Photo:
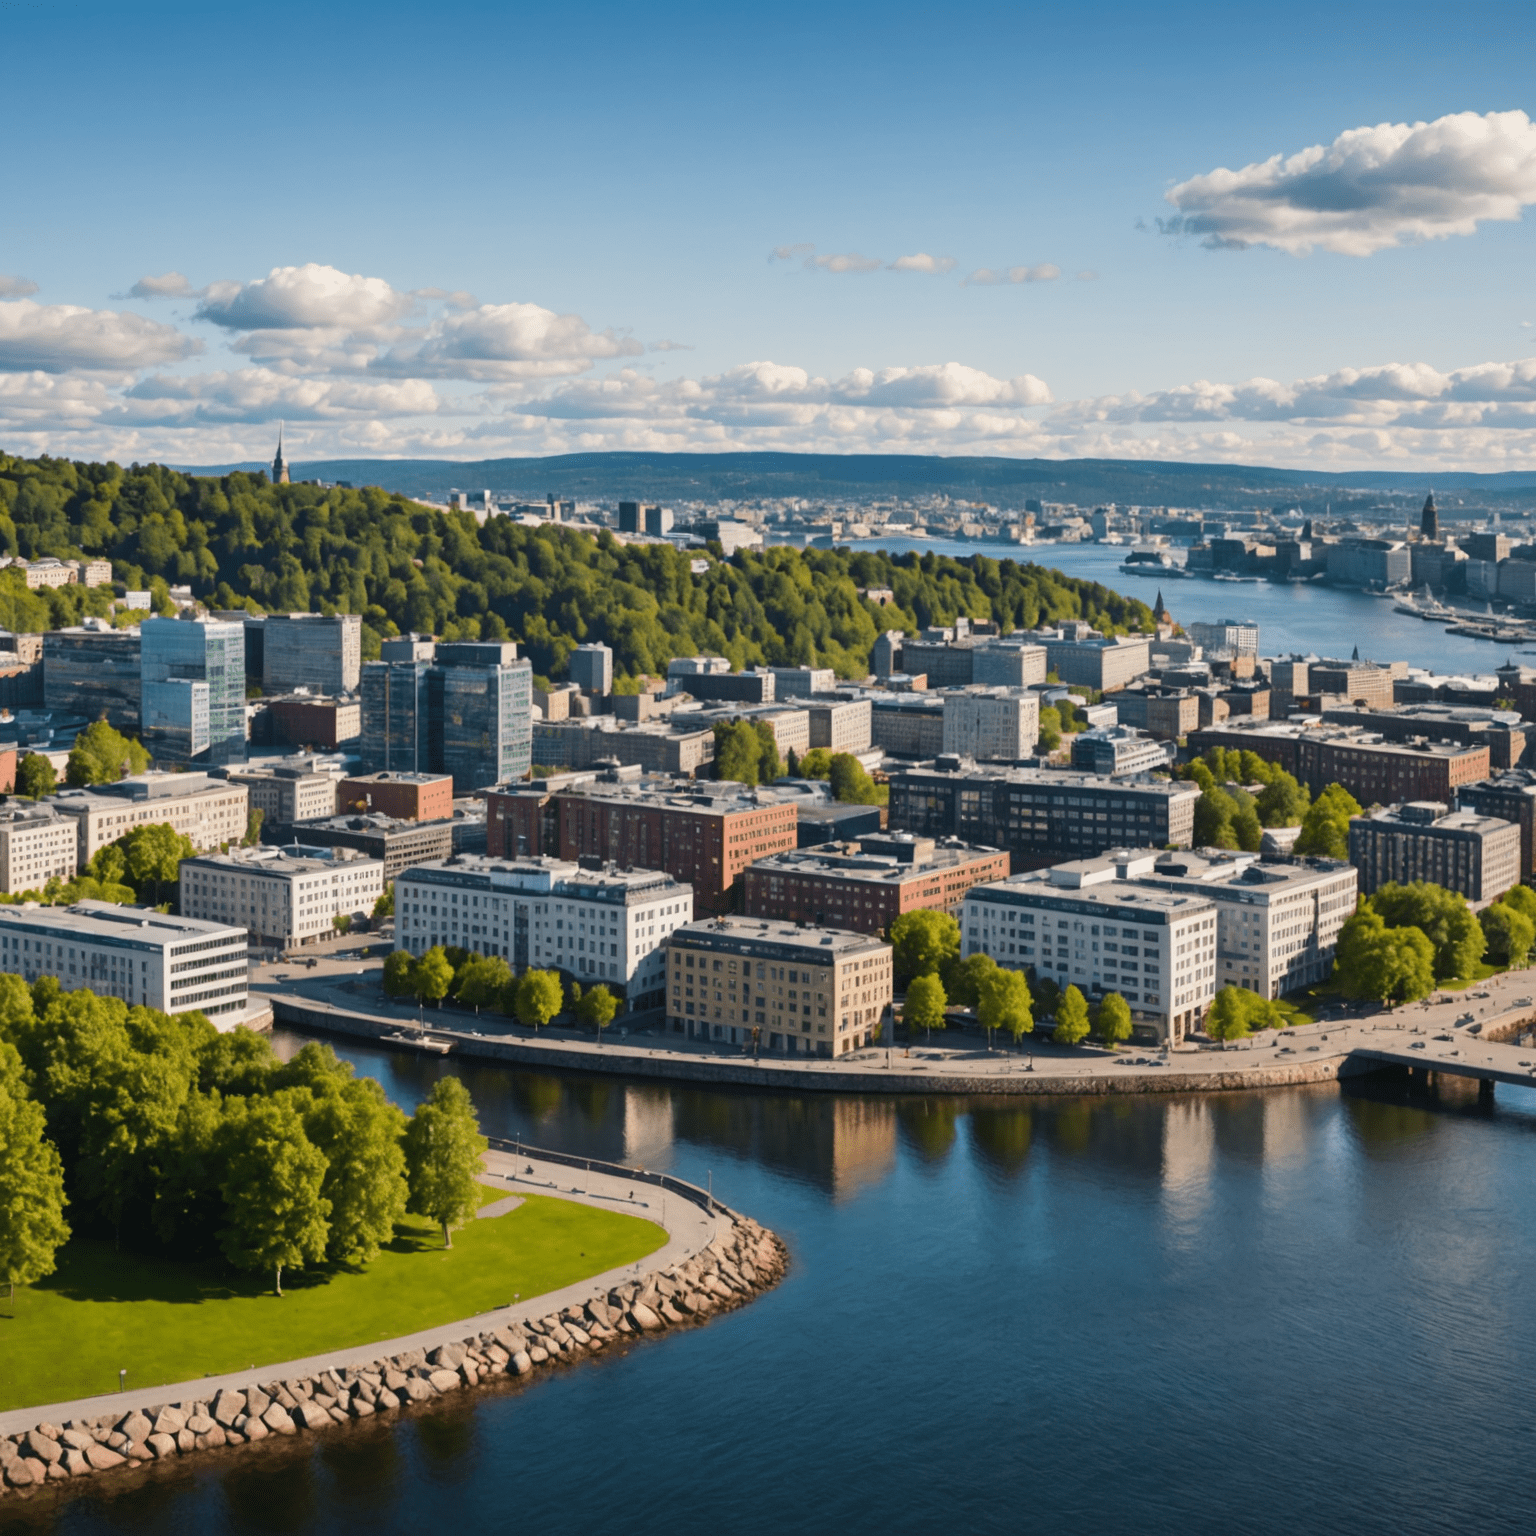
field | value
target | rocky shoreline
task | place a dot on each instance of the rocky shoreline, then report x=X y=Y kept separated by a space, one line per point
x=728 y=1272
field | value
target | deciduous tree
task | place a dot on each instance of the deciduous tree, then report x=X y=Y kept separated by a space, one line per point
x=1004 y=1003
x=922 y=942
x=35 y=776
x=1113 y=1023
x=432 y=975
x=32 y=1199
x=1509 y=933
x=399 y=974
x=597 y=1008
x=1325 y=827
x=924 y=1007
x=482 y=981
x=443 y=1154
x=538 y=997
x=1071 y=1018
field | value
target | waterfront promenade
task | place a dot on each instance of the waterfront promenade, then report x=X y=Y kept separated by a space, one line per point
x=690 y=1225
x=336 y=999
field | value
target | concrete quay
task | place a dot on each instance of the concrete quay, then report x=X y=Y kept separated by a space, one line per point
x=343 y=1001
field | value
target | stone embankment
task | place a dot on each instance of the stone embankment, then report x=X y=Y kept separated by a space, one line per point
x=734 y=1267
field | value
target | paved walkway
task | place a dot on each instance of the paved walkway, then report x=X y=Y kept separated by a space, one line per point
x=688 y=1229
x=341 y=1000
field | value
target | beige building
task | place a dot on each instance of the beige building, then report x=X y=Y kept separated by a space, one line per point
x=36 y=844
x=991 y=724
x=840 y=725
x=209 y=811
x=289 y=792
x=1477 y=856
x=794 y=990
x=283 y=898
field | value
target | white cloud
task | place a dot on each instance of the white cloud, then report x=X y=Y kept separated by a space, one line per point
x=848 y=261
x=259 y=395
x=986 y=277
x=60 y=338
x=504 y=342
x=923 y=262
x=169 y=285
x=790 y=252
x=16 y=287
x=1394 y=184
x=311 y=297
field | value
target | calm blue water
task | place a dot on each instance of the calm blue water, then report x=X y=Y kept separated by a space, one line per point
x=1310 y=617
x=1305 y=1310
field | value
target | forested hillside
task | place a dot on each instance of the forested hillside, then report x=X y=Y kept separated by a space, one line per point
x=241 y=542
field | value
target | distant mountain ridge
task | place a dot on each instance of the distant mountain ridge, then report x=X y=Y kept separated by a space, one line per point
x=1004 y=481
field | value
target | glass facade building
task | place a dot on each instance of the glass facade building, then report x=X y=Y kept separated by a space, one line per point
x=183 y=651
x=467 y=712
x=93 y=672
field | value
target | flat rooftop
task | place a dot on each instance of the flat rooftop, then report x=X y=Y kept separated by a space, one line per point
x=106 y=923
x=848 y=861
x=767 y=937
x=546 y=875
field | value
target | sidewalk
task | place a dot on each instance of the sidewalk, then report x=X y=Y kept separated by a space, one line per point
x=688 y=1230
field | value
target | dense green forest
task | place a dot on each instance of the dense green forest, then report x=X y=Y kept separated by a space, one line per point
x=239 y=541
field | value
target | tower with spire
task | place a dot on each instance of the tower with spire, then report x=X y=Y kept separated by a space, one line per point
x=1429 y=519
x=279 y=463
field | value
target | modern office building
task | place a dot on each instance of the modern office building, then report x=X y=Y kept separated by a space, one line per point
x=467 y=711
x=394 y=844
x=208 y=811
x=1509 y=796
x=1099 y=662
x=1478 y=856
x=36 y=845
x=1040 y=815
x=991 y=724
x=401 y=796
x=802 y=682
x=146 y=958
x=1092 y=924
x=867 y=884
x=284 y=897
x=1163 y=712
x=840 y=724
x=703 y=834
x=1230 y=637
x=1358 y=682
x=629 y=517
x=1008 y=664
x=908 y=724
x=321 y=652
x=655 y=746
x=92 y=670
x=720 y=685
x=799 y=991
x=1502 y=731
x=591 y=669
x=1118 y=751
x=593 y=920
x=192 y=698
x=302 y=720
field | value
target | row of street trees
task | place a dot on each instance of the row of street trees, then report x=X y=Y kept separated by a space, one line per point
x=486 y=981
x=158 y=1131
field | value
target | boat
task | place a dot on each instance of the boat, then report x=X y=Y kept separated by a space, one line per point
x=419 y=1042
x=1151 y=563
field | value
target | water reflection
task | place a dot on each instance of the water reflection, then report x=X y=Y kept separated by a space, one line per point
x=1002 y=1134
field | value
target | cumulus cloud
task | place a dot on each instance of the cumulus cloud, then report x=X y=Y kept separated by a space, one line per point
x=1394 y=184
x=669 y=346
x=790 y=252
x=847 y=261
x=169 y=285
x=61 y=338
x=311 y=297
x=986 y=277
x=16 y=287
x=504 y=342
x=923 y=262
x=259 y=395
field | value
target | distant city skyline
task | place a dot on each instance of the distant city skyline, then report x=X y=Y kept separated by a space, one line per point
x=1204 y=234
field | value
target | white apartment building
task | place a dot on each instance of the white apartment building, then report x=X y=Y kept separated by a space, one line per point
x=284 y=896
x=36 y=844
x=840 y=725
x=595 y=921
x=144 y=957
x=1094 y=924
x=1232 y=636
x=1278 y=923
x=209 y=811
x=991 y=724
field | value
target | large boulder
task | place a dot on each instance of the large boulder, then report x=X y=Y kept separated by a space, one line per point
x=101 y=1459
x=444 y=1381
x=169 y=1421
x=642 y=1317
x=447 y=1356
x=199 y=1423
x=75 y=1439
x=24 y=1471
x=418 y=1390
x=162 y=1444
x=44 y=1447
x=75 y=1463
x=521 y=1363
x=135 y=1426
x=278 y=1419
x=312 y=1416
x=229 y=1406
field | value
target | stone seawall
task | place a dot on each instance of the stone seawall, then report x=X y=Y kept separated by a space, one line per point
x=629 y=1062
x=734 y=1267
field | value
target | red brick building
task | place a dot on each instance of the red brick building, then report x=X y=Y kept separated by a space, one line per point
x=319 y=724
x=402 y=796
x=1374 y=771
x=705 y=834
x=867 y=885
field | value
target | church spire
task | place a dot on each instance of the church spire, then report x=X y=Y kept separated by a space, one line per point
x=1429 y=519
x=279 y=463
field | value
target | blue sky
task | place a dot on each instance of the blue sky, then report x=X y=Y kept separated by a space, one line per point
x=467 y=231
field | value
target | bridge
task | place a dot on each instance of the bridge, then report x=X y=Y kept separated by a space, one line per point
x=1453 y=1055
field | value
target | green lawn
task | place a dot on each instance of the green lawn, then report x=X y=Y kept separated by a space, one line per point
x=1480 y=972
x=165 y=1322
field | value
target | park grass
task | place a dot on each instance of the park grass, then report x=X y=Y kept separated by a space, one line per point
x=1480 y=972
x=165 y=1321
